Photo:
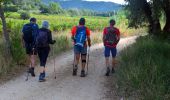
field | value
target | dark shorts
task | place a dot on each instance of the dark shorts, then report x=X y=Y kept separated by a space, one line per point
x=80 y=50
x=43 y=54
x=108 y=50
x=30 y=50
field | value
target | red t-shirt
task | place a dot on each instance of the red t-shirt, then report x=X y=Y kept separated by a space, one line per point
x=116 y=31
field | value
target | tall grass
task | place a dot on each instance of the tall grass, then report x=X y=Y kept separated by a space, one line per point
x=145 y=69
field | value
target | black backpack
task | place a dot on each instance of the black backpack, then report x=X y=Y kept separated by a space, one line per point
x=28 y=33
x=111 y=36
x=42 y=39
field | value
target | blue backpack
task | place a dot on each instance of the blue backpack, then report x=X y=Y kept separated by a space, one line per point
x=80 y=37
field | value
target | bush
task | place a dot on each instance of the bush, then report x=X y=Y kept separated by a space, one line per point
x=144 y=69
x=25 y=15
x=11 y=8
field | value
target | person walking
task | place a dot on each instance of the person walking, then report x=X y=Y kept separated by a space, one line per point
x=30 y=31
x=81 y=38
x=111 y=37
x=44 y=38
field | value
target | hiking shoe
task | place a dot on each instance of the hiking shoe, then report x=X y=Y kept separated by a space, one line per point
x=31 y=71
x=82 y=73
x=113 y=70
x=42 y=77
x=75 y=71
x=107 y=71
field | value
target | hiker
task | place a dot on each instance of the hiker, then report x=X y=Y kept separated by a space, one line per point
x=111 y=37
x=44 y=38
x=30 y=31
x=81 y=38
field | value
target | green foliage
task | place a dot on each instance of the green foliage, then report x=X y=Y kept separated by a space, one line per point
x=10 y=8
x=51 y=8
x=25 y=15
x=135 y=13
x=144 y=69
x=18 y=52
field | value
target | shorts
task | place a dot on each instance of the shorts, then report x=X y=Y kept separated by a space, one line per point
x=29 y=49
x=107 y=51
x=43 y=54
x=80 y=50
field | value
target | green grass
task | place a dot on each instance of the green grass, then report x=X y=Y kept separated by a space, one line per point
x=145 y=69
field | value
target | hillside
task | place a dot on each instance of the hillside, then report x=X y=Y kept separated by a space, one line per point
x=99 y=6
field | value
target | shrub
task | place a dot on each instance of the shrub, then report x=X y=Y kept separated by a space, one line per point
x=25 y=15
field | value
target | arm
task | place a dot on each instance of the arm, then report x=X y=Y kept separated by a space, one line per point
x=104 y=32
x=22 y=41
x=50 y=38
x=118 y=36
x=73 y=32
x=88 y=37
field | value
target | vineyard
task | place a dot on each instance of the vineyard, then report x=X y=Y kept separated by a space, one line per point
x=60 y=26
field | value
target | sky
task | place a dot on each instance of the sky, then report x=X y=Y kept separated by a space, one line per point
x=116 y=1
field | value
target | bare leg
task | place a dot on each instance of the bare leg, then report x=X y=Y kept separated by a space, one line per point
x=76 y=62
x=113 y=62
x=107 y=61
x=77 y=57
x=107 y=66
x=32 y=60
x=42 y=69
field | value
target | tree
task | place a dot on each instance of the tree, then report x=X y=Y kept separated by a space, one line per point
x=166 y=8
x=142 y=11
x=5 y=32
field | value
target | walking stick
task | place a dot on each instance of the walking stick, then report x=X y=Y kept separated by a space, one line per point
x=88 y=61
x=54 y=63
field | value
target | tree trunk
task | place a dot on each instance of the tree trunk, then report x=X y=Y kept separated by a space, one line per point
x=155 y=26
x=167 y=25
x=5 y=33
x=166 y=8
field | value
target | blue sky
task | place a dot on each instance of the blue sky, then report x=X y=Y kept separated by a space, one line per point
x=116 y=1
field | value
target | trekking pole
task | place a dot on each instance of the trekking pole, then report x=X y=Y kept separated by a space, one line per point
x=54 y=62
x=74 y=61
x=88 y=61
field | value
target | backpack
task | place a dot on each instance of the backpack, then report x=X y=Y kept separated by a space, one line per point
x=80 y=36
x=42 y=39
x=28 y=33
x=110 y=37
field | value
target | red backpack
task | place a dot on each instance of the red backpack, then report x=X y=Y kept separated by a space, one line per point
x=110 y=38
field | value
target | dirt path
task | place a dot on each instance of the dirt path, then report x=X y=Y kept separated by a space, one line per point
x=65 y=86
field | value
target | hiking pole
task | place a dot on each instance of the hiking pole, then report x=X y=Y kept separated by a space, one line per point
x=88 y=61
x=54 y=63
